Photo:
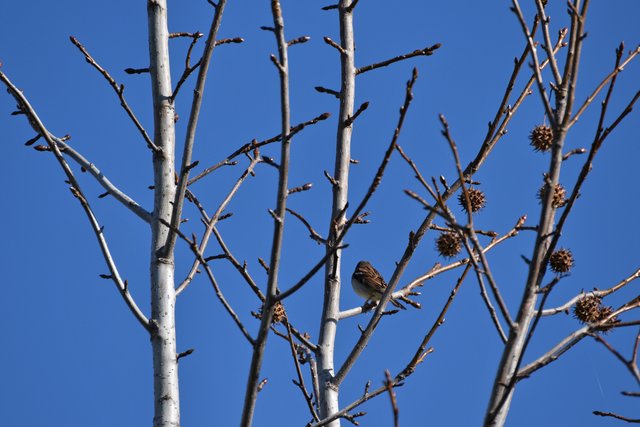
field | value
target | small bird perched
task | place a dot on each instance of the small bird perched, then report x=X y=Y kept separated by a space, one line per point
x=369 y=283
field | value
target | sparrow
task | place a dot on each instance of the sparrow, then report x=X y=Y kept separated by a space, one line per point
x=369 y=284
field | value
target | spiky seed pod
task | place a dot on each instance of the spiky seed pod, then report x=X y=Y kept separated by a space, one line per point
x=561 y=260
x=605 y=311
x=541 y=138
x=278 y=313
x=449 y=244
x=477 y=199
x=588 y=309
x=559 y=195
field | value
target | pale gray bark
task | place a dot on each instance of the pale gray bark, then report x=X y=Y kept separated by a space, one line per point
x=503 y=388
x=169 y=194
x=331 y=305
x=505 y=381
x=57 y=145
x=163 y=326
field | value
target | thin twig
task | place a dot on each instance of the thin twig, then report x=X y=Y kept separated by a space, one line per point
x=386 y=296
x=241 y=268
x=334 y=45
x=504 y=109
x=472 y=234
x=570 y=77
x=572 y=339
x=224 y=302
x=76 y=190
x=421 y=351
x=300 y=382
x=252 y=388
x=392 y=396
x=596 y=293
x=303 y=338
x=437 y=270
x=415 y=169
x=328 y=91
x=542 y=17
x=183 y=176
x=631 y=363
x=188 y=68
x=601 y=135
x=246 y=148
x=617 y=70
x=498 y=127
x=211 y=222
x=119 y=89
x=359 y=111
x=313 y=234
x=536 y=63
x=427 y=51
x=194 y=248
x=616 y=416
x=377 y=179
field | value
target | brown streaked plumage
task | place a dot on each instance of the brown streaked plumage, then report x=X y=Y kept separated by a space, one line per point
x=369 y=283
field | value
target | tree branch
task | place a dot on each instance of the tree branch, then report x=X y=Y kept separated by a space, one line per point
x=252 y=389
x=386 y=296
x=246 y=148
x=211 y=222
x=76 y=190
x=427 y=51
x=119 y=89
x=183 y=177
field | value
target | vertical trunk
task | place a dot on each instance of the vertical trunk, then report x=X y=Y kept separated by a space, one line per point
x=504 y=384
x=163 y=337
x=331 y=306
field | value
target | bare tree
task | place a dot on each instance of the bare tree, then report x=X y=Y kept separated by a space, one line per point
x=546 y=65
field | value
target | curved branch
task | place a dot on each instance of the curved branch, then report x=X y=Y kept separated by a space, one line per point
x=597 y=293
x=77 y=192
x=127 y=201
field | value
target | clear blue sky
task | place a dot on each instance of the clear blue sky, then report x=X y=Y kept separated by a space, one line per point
x=72 y=353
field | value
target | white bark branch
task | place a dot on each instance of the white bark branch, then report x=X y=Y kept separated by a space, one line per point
x=329 y=404
x=358 y=348
x=76 y=190
x=504 y=386
x=163 y=297
x=569 y=341
x=597 y=293
x=120 y=196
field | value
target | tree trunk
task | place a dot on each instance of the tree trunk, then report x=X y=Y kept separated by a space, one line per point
x=163 y=327
x=331 y=306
